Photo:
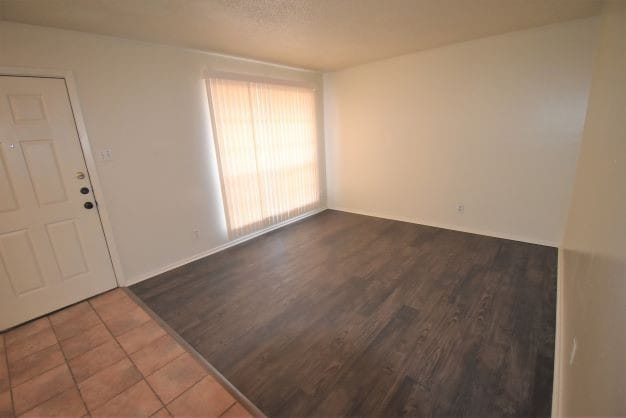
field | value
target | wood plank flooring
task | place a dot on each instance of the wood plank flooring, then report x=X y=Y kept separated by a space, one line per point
x=349 y=315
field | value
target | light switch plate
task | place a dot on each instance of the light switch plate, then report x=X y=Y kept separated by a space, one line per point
x=105 y=154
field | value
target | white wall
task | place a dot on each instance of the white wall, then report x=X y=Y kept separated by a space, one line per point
x=494 y=124
x=593 y=275
x=148 y=104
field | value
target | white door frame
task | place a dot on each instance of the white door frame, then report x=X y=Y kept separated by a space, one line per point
x=72 y=92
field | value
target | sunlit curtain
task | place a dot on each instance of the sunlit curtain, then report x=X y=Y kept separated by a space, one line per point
x=267 y=152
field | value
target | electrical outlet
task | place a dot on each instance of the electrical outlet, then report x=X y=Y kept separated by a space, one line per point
x=105 y=154
x=460 y=208
x=195 y=234
x=572 y=353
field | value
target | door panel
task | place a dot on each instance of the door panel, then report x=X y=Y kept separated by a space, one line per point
x=52 y=249
x=27 y=108
x=43 y=170
x=21 y=265
x=67 y=248
x=8 y=202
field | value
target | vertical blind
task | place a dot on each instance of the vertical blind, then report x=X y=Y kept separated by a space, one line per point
x=267 y=150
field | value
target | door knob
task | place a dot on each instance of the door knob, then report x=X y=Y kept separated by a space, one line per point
x=84 y=190
x=88 y=205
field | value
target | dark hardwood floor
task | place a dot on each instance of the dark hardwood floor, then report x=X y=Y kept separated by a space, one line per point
x=349 y=315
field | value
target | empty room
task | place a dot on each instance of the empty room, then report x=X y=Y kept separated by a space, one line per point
x=312 y=208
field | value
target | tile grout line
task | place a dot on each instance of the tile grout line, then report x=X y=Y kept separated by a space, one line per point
x=228 y=409
x=66 y=360
x=78 y=355
x=143 y=378
x=161 y=367
x=117 y=393
x=35 y=352
x=67 y=364
x=166 y=364
x=102 y=343
x=93 y=348
x=57 y=343
x=9 y=372
x=183 y=392
x=68 y=368
x=177 y=396
x=229 y=387
x=191 y=387
x=45 y=371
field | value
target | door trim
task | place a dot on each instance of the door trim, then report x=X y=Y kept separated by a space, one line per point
x=70 y=85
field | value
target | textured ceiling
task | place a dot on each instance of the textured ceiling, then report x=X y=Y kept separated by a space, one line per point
x=315 y=34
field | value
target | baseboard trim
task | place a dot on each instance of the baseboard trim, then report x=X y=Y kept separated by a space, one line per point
x=558 y=340
x=172 y=266
x=444 y=226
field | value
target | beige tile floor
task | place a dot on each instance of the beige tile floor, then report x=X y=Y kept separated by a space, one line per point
x=105 y=357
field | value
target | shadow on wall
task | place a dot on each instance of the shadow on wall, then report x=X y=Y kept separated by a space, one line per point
x=593 y=288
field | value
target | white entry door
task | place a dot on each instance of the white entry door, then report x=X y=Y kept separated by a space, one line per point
x=52 y=247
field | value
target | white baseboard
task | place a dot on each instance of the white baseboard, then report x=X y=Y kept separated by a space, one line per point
x=450 y=227
x=172 y=266
x=558 y=341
